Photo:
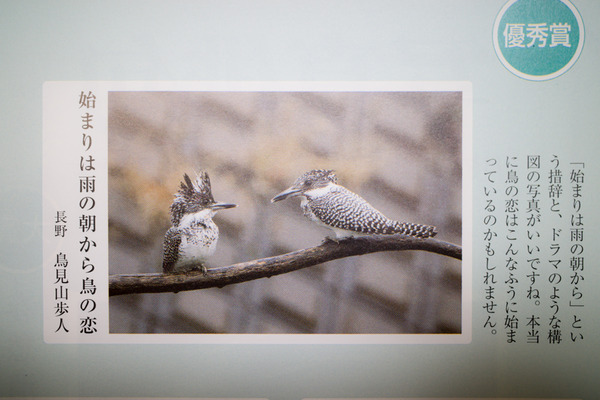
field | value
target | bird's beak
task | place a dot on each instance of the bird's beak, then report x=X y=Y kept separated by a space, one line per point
x=291 y=192
x=221 y=206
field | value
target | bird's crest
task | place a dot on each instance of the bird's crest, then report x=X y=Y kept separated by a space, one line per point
x=192 y=196
x=320 y=175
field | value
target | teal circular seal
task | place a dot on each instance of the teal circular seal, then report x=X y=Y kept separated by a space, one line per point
x=538 y=39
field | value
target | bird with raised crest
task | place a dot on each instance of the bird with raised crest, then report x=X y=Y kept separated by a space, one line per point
x=194 y=235
x=329 y=204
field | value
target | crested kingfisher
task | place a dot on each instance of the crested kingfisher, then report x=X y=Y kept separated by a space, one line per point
x=346 y=213
x=193 y=236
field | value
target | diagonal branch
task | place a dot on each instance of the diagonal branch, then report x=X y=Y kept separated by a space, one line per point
x=267 y=267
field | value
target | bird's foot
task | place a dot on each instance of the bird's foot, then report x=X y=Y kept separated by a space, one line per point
x=328 y=239
x=200 y=267
x=336 y=240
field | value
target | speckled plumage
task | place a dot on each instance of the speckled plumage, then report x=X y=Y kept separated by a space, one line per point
x=346 y=213
x=193 y=236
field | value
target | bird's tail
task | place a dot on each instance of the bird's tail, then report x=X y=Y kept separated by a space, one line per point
x=416 y=230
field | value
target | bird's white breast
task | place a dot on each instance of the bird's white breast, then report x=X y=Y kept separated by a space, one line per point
x=199 y=237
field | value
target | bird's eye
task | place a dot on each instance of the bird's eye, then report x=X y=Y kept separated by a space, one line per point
x=308 y=182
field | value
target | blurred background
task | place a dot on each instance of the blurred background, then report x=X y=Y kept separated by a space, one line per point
x=401 y=151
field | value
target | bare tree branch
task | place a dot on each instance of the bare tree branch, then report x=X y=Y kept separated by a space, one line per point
x=267 y=267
